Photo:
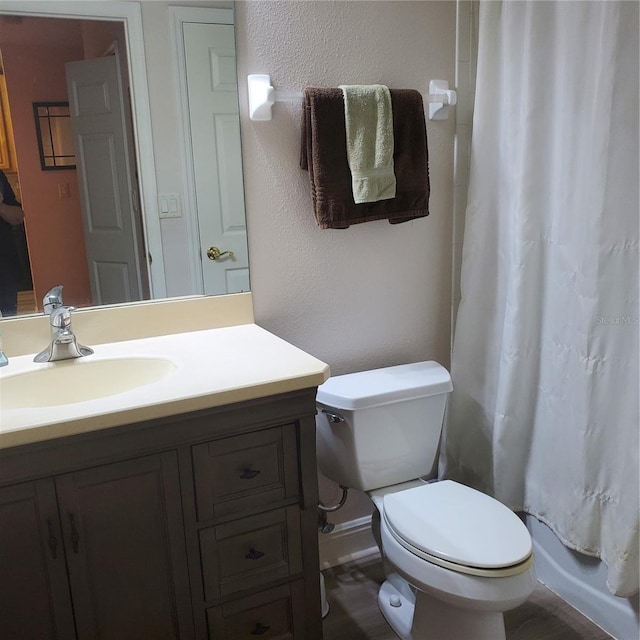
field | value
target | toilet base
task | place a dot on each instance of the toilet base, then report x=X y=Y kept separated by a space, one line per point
x=399 y=618
x=419 y=616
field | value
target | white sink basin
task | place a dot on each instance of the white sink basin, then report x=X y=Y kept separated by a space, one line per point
x=139 y=380
x=71 y=381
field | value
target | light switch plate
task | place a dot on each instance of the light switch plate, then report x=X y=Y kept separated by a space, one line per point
x=169 y=205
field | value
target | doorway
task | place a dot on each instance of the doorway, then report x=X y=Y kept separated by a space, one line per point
x=36 y=49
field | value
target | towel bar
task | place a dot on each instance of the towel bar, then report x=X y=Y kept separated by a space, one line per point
x=262 y=97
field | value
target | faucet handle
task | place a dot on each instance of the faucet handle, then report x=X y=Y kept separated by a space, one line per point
x=61 y=317
x=52 y=299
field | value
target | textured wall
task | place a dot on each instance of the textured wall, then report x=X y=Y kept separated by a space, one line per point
x=375 y=294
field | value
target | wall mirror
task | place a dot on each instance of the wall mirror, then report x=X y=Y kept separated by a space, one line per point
x=55 y=136
x=181 y=190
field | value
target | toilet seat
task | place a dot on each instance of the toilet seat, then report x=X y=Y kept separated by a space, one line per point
x=458 y=528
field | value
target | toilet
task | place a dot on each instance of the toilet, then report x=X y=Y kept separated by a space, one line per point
x=455 y=559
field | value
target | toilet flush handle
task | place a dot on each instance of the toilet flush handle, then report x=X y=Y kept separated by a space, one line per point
x=334 y=418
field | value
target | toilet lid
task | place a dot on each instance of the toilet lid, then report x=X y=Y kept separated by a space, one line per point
x=450 y=521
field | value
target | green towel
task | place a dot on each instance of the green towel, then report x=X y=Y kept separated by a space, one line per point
x=369 y=124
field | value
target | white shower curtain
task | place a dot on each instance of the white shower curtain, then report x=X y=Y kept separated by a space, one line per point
x=544 y=413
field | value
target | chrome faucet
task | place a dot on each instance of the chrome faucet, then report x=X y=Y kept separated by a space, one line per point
x=64 y=344
x=52 y=299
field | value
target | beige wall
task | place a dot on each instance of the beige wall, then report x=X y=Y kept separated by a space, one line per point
x=375 y=294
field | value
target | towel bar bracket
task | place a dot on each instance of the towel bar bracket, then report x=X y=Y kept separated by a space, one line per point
x=441 y=97
x=262 y=97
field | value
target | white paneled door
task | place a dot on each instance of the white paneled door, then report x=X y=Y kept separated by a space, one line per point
x=108 y=191
x=215 y=141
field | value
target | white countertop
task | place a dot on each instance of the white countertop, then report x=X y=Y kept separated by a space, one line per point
x=213 y=367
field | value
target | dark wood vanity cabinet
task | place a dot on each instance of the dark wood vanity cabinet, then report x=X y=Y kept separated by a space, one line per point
x=96 y=553
x=199 y=526
x=34 y=589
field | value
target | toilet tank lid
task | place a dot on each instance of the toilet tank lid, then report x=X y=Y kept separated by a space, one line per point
x=384 y=386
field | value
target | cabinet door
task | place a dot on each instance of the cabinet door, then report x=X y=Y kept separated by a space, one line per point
x=123 y=535
x=34 y=589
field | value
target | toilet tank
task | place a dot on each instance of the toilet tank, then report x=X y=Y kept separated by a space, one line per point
x=381 y=427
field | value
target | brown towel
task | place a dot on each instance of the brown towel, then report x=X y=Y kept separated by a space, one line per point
x=324 y=155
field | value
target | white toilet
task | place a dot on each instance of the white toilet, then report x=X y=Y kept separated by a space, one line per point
x=456 y=559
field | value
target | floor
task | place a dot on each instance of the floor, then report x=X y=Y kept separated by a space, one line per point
x=26 y=302
x=353 y=611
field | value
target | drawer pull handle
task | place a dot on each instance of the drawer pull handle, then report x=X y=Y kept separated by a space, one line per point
x=253 y=554
x=260 y=629
x=53 y=542
x=75 y=537
x=249 y=474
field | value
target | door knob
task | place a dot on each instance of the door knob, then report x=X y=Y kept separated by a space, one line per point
x=213 y=253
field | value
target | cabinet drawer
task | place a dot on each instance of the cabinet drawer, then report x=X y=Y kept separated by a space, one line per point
x=243 y=472
x=277 y=614
x=250 y=552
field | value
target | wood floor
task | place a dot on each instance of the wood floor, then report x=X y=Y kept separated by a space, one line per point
x=26 y=302
x=353 y=611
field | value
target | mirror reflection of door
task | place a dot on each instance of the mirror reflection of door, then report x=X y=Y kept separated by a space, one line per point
x=108 y=193
x=37 y=49
x=217 y=164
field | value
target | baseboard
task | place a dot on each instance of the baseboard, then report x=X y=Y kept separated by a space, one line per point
x=349 y=541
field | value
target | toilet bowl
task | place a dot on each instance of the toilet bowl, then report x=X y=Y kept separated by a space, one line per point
x=467 y=557
x=455 y=558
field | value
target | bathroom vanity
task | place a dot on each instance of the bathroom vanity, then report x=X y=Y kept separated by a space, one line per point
x=200 y=523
